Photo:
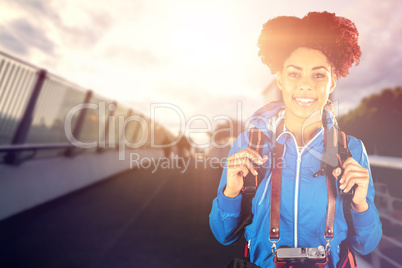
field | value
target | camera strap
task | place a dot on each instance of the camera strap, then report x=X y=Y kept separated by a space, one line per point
x=329 y=228
x=276 y=179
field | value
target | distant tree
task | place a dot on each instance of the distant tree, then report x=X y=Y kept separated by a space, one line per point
x=377 y=121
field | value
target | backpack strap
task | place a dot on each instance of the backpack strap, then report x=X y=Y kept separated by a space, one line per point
x=251 y=182
x=342 y=153
x=276 y=179
x=336 y=152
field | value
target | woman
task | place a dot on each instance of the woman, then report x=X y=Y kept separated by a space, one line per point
x=308 y=55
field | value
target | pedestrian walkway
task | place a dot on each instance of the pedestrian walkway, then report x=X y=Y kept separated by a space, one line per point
x=134 y=219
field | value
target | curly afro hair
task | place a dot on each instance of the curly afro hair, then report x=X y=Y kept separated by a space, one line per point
x=334 y=36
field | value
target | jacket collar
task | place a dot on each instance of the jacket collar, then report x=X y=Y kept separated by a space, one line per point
x=269 y=116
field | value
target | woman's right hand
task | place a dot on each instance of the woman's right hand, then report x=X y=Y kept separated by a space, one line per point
x=238 y=166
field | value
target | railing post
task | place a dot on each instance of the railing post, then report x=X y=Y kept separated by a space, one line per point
x=79 y=124
x=137 y=131
x=123 y=134
x=22 y=130
x=106 y=133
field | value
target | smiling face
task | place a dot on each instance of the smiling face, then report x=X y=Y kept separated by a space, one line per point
x=306 y=81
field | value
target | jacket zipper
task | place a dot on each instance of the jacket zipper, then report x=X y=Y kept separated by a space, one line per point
x=297 y=193
x=299 y=154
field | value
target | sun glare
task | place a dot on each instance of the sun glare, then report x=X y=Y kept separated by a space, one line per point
x=202 y=38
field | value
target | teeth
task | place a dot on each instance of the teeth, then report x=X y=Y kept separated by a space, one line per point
x=305 y=100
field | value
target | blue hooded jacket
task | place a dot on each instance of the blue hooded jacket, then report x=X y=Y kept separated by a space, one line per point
x=303 y=198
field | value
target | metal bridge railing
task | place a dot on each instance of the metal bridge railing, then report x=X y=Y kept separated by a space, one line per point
x=34 y=105
x=388 y=253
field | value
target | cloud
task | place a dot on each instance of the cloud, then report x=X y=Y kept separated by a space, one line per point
x=380 y=39
x=35 y=6
x=22 y=28
x=87 y=34
x=29 y=36
x=11 y=43
x=44 y=25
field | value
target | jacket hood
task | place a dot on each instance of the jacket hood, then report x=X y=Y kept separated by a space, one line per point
x=269 y=116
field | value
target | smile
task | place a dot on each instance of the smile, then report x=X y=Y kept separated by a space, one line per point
x=304 y=101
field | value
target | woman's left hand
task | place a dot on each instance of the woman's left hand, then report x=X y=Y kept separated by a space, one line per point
x=354 y=174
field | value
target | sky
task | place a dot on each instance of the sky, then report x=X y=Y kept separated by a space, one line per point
x=191 y=59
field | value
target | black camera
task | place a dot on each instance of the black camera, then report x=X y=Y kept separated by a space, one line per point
x=300 y=257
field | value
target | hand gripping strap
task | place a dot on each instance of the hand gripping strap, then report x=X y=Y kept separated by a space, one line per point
x=343 y=153
x=256 y=142
x=251 y=182
x=336 y=153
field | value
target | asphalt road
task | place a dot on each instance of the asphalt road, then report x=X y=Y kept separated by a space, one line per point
x=134 y=219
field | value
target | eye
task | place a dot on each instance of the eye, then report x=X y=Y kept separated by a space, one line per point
x=319 y=75
x=294 y=75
